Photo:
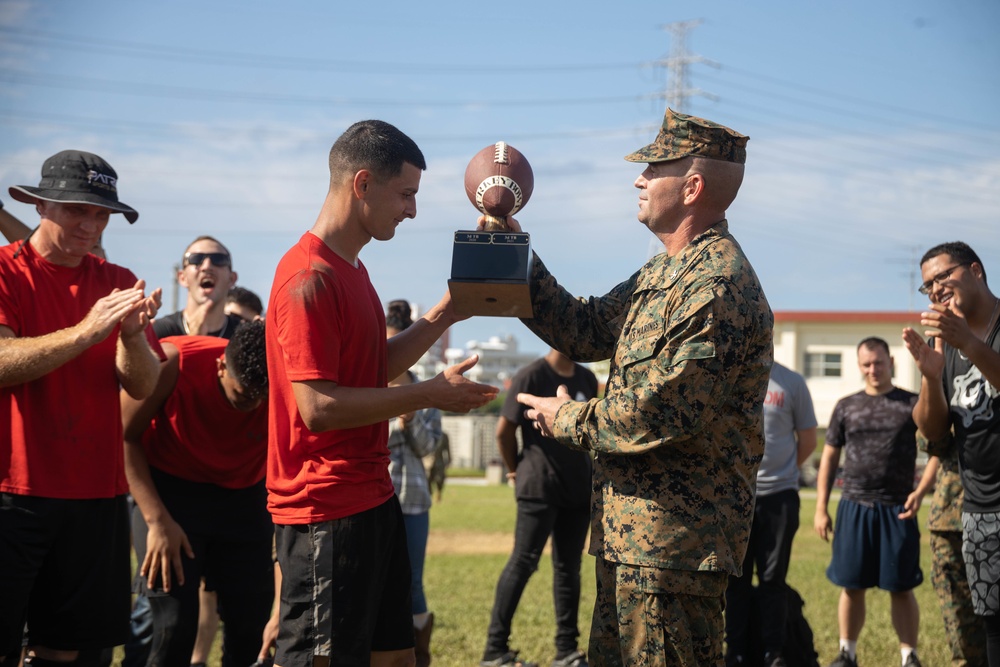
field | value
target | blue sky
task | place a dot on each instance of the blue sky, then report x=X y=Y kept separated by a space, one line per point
x=872 y=128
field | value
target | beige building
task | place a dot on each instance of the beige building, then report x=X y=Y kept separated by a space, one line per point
x=822 y=346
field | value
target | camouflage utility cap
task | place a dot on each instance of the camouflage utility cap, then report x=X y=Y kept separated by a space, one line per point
x=683 y=135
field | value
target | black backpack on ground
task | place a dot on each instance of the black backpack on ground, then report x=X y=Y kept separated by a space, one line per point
x=799 y=650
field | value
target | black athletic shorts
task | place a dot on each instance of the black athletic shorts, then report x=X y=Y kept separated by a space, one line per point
x=64 y=571
x=345 y=588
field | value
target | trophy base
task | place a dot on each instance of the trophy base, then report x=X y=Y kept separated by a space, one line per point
x=491 y=299
x=489 y=274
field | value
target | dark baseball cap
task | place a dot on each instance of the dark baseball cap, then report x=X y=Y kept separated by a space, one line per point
x=682 y=136
x=76 y=177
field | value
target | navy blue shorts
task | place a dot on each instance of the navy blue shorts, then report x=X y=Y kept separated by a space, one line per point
x=873 y=547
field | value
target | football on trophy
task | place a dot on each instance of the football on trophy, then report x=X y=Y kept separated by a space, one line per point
x=499 y=180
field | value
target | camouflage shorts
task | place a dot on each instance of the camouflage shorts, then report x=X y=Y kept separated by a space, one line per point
x=652 y=617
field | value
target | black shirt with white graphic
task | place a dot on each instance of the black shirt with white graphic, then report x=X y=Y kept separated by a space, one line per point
x=975 y=414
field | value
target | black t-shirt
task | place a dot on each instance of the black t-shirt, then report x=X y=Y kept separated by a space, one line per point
x=879 y=438
x=975 y=414
x=547 y=470
x=173 y=325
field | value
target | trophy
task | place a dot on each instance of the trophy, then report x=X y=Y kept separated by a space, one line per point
x=489 y=268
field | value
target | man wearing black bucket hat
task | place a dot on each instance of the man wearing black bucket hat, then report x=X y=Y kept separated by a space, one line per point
x=72 y=331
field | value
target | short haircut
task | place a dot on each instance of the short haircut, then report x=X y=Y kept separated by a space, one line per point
x=958 y=250
x=873 y=343
x=246 y=298
x=206 y=238
x=246 y=358
x=376 y=146
x=398 y=315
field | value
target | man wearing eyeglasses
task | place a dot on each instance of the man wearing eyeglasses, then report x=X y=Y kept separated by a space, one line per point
x=72 y=332
x=960 y=392
x=207 y=273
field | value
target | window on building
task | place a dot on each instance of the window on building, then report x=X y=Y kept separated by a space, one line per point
x=823 y=365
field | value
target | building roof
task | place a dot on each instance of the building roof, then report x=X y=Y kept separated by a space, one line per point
x=846 y=316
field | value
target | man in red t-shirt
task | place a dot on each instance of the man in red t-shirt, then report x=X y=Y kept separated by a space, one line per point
x=72 y=329
x=194 y=454
x=340 y=540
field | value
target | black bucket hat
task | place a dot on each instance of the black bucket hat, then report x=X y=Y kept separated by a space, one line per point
x=76 y=177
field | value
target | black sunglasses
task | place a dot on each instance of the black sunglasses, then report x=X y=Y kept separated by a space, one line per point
x=216 y=258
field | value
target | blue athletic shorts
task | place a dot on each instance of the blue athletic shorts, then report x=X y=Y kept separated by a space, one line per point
x=873 y=547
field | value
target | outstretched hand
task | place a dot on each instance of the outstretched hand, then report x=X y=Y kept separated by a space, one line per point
x=542 y=409
x=453 y=392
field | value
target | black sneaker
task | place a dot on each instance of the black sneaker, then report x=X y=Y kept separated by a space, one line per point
x=508 y=659
x=844 y=659
x=912 y=660
x=574 y=659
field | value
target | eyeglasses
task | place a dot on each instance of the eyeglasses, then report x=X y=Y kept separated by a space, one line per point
x=939 y=279
x=219 y=259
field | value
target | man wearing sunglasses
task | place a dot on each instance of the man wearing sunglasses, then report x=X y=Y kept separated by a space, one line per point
x=207 y=273
x=960 y=392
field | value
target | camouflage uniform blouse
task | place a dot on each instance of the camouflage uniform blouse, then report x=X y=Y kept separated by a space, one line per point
x=678 y=436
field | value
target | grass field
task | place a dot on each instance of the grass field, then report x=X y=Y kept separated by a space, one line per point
x=471 y=537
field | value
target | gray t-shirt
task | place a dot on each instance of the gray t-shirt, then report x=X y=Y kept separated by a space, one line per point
x=788 y=408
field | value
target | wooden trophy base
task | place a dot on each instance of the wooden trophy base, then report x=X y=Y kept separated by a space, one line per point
x=489 y=274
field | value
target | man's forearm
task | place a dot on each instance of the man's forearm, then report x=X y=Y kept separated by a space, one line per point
x=138 y=368
x=27 y=359
x=931 y=411
x=140 y=483
x=406 y=348
x=824 y=480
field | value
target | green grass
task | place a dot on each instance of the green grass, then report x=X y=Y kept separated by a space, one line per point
x=460 y=591
x=460 y=587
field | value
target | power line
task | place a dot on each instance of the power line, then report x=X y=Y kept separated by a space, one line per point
x=64 y=41
x=142 y=89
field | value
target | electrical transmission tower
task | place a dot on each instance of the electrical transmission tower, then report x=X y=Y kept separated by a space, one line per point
x=677 y=63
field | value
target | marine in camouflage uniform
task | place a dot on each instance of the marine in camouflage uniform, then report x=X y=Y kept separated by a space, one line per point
x=966 y=635
x=678 y=435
